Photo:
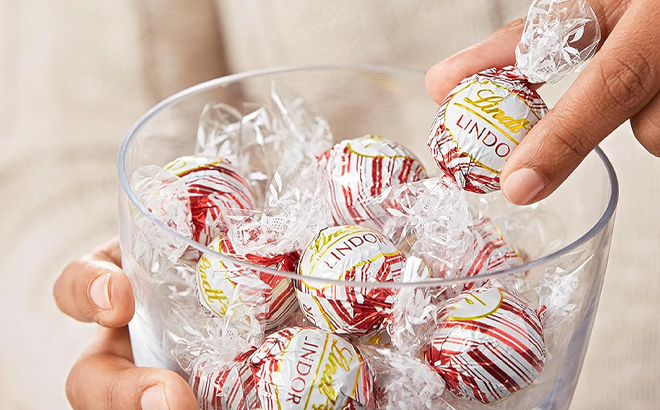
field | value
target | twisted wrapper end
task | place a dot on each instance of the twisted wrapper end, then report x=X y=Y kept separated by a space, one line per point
x=559 y=37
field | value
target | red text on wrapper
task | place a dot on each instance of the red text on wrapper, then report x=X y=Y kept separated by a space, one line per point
x=487 y=122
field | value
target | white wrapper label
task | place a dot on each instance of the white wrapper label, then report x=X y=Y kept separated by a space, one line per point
x=487 y=121
x=477 y=305
x=317 y=370
x=337 y=250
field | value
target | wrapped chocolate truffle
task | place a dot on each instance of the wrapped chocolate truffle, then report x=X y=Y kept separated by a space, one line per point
x=228 y=386
x=213 y=184
x=489 y=345
x=349 y=253
x=480 y=123
x=489 y=252
x=299 y=368
x=362 y=168
x=484 y=118
x=223 y=285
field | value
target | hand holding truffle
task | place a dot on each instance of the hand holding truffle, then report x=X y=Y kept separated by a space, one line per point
x=621 y=83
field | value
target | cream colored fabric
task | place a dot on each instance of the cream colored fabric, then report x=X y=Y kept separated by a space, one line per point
x=75 y=74
x=414 y=33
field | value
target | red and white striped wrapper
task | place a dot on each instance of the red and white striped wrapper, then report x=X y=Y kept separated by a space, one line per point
x=488 y=252
x=350 y=253
x=361 y=168
x=299 y=368
x=490 y=345
x=231 y=387
x=223 y=286
x=480 y=123
x=213 y=184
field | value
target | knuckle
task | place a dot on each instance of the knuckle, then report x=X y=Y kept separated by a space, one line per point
x=570 y=142
x=78 y=382
x=628 y=79
x=114 y=392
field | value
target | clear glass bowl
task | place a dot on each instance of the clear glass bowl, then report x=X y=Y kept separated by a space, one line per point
x=571 y=229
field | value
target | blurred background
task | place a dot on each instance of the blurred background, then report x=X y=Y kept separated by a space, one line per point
x=75 y=74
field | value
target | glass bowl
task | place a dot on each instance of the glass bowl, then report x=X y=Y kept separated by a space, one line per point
x=570 y=231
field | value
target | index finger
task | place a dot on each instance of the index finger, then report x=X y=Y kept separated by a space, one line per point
x=94 y=288
x=620 y=80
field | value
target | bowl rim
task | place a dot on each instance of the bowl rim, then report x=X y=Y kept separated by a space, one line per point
x=602 y=222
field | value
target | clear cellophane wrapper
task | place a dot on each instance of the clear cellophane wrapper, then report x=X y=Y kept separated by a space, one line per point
x=487 y=115
x=165 y=196
x=192 y=335
x=558 y=38
x=555 y=298
x=272 y=144
x=404 y=382
x=446 y=233
x=292 y=215
x=277 y=146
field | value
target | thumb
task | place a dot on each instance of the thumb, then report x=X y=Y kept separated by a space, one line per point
x=615 y=86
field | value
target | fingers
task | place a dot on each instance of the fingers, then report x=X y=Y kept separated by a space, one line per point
x=646 y=126
x=616 y=85
x=105 y=378
x=496 y=51
x=95 y=289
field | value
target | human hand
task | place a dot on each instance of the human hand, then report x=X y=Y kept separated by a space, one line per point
x=95 y=289
x=620 y=83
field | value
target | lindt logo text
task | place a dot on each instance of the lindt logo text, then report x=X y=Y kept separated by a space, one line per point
x=212 y=295
x=324 y=240
x=483 y=118
x=488 y=103
x=339 y=358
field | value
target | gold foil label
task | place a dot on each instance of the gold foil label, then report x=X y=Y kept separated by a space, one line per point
x=477 y=305
x=374 y=146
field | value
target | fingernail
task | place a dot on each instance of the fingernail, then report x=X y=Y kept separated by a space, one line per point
x=99 y=292
x=522 y=186
x=154 y=398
